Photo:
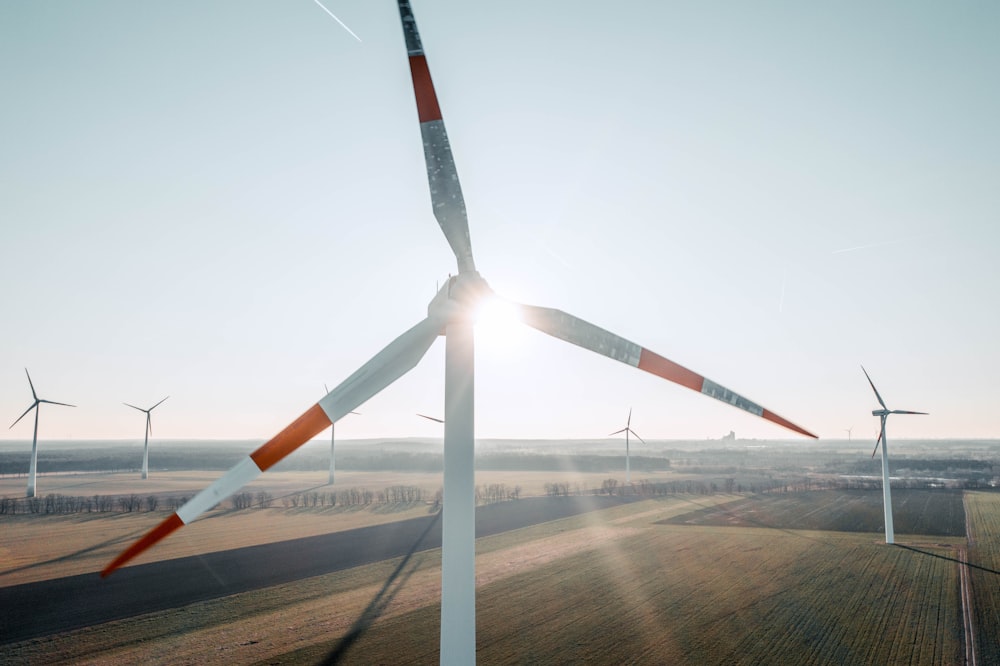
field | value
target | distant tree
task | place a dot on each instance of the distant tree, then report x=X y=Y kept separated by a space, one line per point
x=152 y=501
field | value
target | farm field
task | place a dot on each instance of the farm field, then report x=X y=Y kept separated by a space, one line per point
x=40 y=547
x=984 y=552
x=613 y=586
x=918 y=512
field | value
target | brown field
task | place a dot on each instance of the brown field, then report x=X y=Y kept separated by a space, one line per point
x=609 y=587
x=984 y=551
x=936 y=512
x=40 y=547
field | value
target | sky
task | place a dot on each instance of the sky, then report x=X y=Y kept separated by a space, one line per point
x=226 y=203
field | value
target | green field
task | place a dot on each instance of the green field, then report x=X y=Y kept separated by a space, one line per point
x=923 y=512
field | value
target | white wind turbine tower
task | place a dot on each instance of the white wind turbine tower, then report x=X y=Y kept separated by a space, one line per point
x=33 y=466
x=333 y=438
x=627 y=429
x=883 y=414
x=451 y=313
x=149 y=431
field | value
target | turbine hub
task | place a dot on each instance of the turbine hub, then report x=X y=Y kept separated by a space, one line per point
x=458 y=298
x=880 y=412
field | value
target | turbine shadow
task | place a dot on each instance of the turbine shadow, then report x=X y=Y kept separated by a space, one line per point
x=381 y=599
x=950 y=559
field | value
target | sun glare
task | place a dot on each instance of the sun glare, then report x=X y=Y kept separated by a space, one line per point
x=498 y=324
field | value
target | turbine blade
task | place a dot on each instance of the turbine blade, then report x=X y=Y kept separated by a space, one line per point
x=134 y=407
x=33 y=394
x=903 y=411
x=33 y=405
x=636 y=435
x=431 y=418
x=617 y=432
x=628 y=422
x=149 y=425
x=52 y=402
x=572 y=329
x=382 y=370
x=880 y=400
x=442 y=176
x=157 y=404
x=878 y=440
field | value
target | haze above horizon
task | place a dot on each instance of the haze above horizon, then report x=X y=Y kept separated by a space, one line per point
x=227 y=204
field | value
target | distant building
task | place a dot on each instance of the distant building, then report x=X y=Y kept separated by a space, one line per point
x=731 y=437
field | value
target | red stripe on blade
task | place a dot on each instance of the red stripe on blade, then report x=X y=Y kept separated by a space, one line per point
x=771 y=416
x=423 y=89
x=304 y=428
x=161 y=531
x=661 y=367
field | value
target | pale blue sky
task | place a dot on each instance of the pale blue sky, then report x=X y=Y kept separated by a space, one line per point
x=226 y=203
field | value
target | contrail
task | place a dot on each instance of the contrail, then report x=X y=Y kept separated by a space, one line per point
x=865 y=247
x=342 y=24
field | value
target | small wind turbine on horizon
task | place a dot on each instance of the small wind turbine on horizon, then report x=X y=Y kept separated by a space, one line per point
x=452 y=313
x=149 y=431
x=627 y=429
x=333 y=439
x=883 y=414
x=848 y=431
x=33 y=466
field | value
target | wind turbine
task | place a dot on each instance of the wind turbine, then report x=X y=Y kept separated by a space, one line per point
x=628 y=429
x=848 y=431
x=451 y=313
x=149 y=431
x=883 y=414
x=32 y=468
x=333 y=438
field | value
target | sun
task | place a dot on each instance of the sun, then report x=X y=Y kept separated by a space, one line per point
x=498 y=324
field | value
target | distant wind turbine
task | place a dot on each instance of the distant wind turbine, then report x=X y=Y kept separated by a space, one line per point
x=883 y=414
x=32 y=468
x=451 y=314
x=628 y=429
x=149 y=431
x=333 y=439
x=848 y=431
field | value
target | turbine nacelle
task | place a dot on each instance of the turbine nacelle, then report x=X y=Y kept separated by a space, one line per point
x=460 y=299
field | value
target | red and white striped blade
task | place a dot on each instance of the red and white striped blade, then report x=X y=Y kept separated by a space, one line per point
x=572 y=329
x=400 y=356
x=877 y=442
x=442 y=176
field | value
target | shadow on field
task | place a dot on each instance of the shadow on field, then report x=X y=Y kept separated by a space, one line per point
x=381 y=600
x=950 y=559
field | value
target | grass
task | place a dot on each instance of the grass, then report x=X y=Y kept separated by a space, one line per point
x=615 y=586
